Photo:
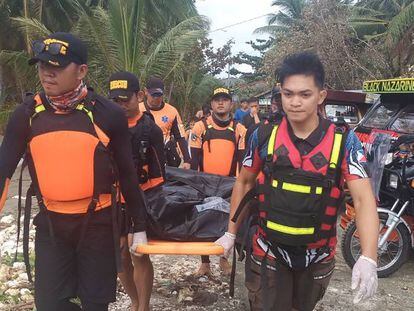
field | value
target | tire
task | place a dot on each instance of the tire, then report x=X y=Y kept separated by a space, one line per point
x=351 y=254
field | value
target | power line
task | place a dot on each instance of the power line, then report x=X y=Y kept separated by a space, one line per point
x=238 y=23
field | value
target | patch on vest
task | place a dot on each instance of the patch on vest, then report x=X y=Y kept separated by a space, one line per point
x=319 y=160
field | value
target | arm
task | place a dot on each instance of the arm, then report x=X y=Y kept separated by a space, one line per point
x=195 y=158
x=241 y=131
x=121 y=146
x=195 y=145
x=364 y=272
x=366 y=216
x=13 y=147
x=179 y=133
x=244 y=182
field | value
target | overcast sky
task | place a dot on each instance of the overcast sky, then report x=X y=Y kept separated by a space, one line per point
x=223 y=13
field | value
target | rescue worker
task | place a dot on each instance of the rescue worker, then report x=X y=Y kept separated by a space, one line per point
x=168 y=119
x=242 y=111
x=253 y=117
x=70 y=133
x=304 y=161
x=148 y=153
x=217 y=137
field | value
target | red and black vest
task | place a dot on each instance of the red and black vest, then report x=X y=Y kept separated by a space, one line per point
x=299 y=195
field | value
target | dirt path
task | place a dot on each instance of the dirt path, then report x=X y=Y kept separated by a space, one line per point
x=176 y=289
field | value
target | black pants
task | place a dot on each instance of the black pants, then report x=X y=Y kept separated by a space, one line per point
x=63 y=272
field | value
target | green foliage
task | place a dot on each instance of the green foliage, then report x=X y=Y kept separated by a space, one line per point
x=388 y=23
x=147 y=37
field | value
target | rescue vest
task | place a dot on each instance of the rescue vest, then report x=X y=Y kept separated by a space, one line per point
x=219 y=149
x=71 y=168
x=299 y=195
x=141 y=148
x=69 y=162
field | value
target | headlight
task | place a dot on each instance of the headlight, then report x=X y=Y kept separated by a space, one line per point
x=393 y=181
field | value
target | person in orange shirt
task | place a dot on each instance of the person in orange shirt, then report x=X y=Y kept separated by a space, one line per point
x=217 y=146
x=168 y=119
x=148 y=155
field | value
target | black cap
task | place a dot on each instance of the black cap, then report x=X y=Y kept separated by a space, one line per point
x=122 y=85
x=155 y=86
x=221 y=92
x=59 y=49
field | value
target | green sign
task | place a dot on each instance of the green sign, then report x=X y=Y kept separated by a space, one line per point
x=405 y=85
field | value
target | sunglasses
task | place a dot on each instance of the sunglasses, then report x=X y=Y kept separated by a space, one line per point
x=53 y=48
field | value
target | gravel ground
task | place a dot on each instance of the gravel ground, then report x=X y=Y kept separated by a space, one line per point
x=176 y=289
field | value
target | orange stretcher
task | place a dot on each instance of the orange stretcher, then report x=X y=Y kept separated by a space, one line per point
x=156 y=247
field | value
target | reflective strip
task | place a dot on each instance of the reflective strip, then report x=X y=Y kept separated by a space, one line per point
x=271 y=145
x=81 y=107
x=40 y=108
x=230 y=128
x=297 y=188
x=289 y=230
x=37 y=109
x=335 y=150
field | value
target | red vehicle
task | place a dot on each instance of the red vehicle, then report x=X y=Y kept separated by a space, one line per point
x=351 y=106
x=387 y=131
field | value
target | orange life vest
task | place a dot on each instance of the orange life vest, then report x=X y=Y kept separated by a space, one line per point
x=69 y=162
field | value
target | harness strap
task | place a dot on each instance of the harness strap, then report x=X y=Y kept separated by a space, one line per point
x=19 y=204
x=26 y=228
x=91 y=208
x=250 y=195
x=115 y=229
x=233 y=274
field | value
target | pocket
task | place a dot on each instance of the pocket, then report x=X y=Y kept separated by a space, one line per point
x=291 y=228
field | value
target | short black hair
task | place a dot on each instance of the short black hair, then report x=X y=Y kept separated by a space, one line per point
x=252 y=100
x=305 y=63
x=243 y=100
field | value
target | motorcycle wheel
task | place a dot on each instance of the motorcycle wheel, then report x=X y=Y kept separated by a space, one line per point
x=391 y=259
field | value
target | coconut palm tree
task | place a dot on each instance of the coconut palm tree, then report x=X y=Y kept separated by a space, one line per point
x=133 y=35
x=289 y=14
x=391 y=23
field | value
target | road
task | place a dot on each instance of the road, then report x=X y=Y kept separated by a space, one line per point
x=176 y=289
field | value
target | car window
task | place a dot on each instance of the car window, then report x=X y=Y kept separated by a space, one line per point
x=348 y=112
x=404 y=123
x=380 y=116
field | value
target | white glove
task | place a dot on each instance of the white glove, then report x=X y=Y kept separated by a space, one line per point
x=138 y=238
x=364 y=274
x=227 y=242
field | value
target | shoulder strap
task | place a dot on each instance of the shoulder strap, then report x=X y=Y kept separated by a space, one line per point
x=337 y=153
x=149 y=115
x=264 y=131
x=146 y=128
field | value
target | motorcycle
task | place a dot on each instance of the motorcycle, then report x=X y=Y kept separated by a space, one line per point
x=395 y=210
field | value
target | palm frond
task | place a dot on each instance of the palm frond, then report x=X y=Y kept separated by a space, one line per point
x=96 y=31
x=399 y=25
x=33 y=27
x=166 y=52
x=25 y=76
x=271 y=29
